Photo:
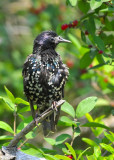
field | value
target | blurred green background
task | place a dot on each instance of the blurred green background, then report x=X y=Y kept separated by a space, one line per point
x=20 y=22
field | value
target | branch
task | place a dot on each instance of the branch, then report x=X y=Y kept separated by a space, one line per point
x=11 y=152
x=32 y=124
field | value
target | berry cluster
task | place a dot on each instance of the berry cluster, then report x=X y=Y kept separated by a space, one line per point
x=70 y=25
x=100 y=51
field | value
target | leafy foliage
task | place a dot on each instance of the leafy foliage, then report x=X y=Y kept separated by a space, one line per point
x=89 y=25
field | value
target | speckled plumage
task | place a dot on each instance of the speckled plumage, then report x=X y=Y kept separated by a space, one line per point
x=44 y=76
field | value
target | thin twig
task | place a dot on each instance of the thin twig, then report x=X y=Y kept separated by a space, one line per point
x=15 y=121
x=32 y=124
x=72 y=138
x=23 y=143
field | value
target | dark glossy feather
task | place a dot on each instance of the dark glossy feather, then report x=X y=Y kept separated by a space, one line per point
x=44 y=77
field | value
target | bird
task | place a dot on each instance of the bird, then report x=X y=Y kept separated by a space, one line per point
x=44 y=77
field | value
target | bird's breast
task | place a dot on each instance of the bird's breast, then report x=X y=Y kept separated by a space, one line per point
x=44 y=80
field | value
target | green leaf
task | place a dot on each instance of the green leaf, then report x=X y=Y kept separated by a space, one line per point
x=109 y=136
x=50 y=141
x=19 y=100
x=107 y=147
x=66 y=121
x=50 y=157
x=92 y=157
x=66 y=107
x=33 y=152
x=21 y=116
x=71 y=150
x=99 y=42
x=93 y=53
x=6 y=137
x=75 y=41
x=80 y=155
x=6 y=127
x=60 y=139
x=24 y=109
x=73 y=2
x=94 y=124
x=85 y=61
x=89 y=141
x=92 y=24
x=48 y=151
x=83 y=37
x=62 y=157
x=97 y=66
x=90 y=27
x=66 y=151
x=111 y=133
x=76 y=132
x=10 y=95
x=30 y=135
x=85 y=106
x=97 y=151
x=100 y=59
x=89 y=117
x=9 y=103
x=84 y=7
x=95 y=4
x=24 y=123
x=108 y=9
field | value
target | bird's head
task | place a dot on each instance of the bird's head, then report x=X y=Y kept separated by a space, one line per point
x=47 y=40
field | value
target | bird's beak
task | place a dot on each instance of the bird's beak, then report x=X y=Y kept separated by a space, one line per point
x=59 y=39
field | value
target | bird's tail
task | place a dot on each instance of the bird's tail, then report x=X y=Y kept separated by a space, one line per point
x=49 y=124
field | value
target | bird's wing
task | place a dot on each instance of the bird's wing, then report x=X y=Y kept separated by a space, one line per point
x=57 y=72
x=31 y=71
x=31 y=65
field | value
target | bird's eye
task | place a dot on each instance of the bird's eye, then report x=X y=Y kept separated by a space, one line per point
x=51 y=39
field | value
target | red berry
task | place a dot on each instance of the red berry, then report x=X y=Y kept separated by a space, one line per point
x=70 y=156
x=70 y=63
x=64 y=26
x=70 y=25
x=100 y=52
x=90 y=46
x=83 y=71
x=86 y=32
x=74 y=23
x=90 y=65
x=105 y=80
x=112 y=73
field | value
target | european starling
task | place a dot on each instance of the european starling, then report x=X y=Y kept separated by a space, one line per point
x=44 y=77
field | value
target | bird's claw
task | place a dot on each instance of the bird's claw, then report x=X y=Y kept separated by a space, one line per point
x=36 y=119
x=54 y=104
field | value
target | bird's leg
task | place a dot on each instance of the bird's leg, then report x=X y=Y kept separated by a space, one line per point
x=37 y=115
x=32 y=110
x=57 y=112
x=57 y=115
x=54 y=103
